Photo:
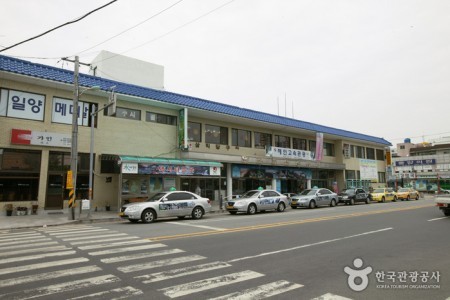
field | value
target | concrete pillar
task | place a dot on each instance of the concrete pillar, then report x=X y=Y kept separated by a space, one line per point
x=229 y=182
x=308 y=183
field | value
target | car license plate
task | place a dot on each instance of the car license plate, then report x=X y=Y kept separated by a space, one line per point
x=229 y=206
x=121 y=214
x=294 y=202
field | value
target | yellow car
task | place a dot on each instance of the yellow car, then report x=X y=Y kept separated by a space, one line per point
x=384 y=194
x=407 y=194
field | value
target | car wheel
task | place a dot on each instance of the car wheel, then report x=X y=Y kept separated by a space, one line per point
x=417 y=197
x=148 y=216
x=367 y=201
x=233 y=212
x=197 y=213
x=383 y=199
x=281 y=207
x=312 y=204
x=133 y=220
x=333 y=203
x=395 y=198
x=251 y=209
x=352 y=201
x=408 y=198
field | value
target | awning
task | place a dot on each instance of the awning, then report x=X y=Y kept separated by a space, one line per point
x=167 y=161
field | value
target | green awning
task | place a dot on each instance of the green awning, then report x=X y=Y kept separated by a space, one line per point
x=167 y=161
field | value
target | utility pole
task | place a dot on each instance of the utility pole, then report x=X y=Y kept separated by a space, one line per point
x=74 y=144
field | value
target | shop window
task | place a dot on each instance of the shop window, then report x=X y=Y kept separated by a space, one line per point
x=262 y=140
x=282 y=141
x=19 y=174
x=359 y=151
x=216 y=135
x=61 y=161
x=241 y=138
x=194 y=132
x=350 y=174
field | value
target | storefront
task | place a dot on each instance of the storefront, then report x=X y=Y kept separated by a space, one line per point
x=143 y=176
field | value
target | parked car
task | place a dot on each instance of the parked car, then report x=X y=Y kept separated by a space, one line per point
x=166 y=204
x=384 y=194
x=256 y=201
x=407 y=194
x=289 y=196
x=443 y=203
x=352 y=196
x=314 y=197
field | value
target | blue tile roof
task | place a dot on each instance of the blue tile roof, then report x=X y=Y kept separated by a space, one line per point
x=18 y=66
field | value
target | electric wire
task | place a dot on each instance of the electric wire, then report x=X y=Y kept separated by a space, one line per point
x=57 y=27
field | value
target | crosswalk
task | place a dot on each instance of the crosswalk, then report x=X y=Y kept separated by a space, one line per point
x=87 y=262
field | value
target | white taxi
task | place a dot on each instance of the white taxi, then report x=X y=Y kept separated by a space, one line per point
x=256 y=201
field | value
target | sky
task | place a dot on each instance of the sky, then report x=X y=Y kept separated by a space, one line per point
x=376 y=67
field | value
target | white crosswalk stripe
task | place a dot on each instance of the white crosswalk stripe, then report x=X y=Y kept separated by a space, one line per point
x=62 y=287
x=140 y=256
x=126 y=249
x=109 y=245
x=33 y=250
x=174 y=273
x=209 y=283
x=160 y=263
x=76 y=232
x=86 y=242
x=262 y=291
x=92 y=237
x=27 y=245
x=119 y=293
x=21 y=237
x=37 y=256
x=21 y=241
x=17 y=269
x=48 y=275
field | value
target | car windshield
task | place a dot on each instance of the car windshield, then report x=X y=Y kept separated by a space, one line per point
x=156 y=197
x=250 y=194
x=403 y=190
x=378 y=191
x=348 y=191
x=308 y=192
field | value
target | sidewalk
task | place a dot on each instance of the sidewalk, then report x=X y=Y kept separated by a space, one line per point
x=61 y=217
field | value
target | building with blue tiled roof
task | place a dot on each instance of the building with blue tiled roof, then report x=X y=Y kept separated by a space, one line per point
x=159 y=139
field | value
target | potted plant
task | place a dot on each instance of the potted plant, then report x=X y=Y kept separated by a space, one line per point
x=9 y=209
x=22 y=210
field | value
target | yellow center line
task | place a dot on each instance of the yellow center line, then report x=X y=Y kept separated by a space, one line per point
x=287 y=223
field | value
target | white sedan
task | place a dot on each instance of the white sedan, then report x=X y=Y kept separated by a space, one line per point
x=166 y=204
x=314 y=197
x=258 y=200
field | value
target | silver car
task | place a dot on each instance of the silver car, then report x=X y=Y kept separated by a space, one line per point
x=257 y=200
x=314 y=197
x=166 y=204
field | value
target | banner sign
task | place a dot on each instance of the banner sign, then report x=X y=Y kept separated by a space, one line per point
x=129 y=168
x=368 y=169
x=62 y=111
x=249 y=171
x=319 y=146
x=415 y=162
x=289 y=153
x=51 y=139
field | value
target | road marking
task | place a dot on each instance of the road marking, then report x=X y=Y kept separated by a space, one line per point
x=431 y=220
x=330 y=296
x=207 y=284
x=62 y=287
x=174 y=273
x=262 y=291
x=107 y=245
x=195 y=225
x=104 y=240
x=48 y=275
x=310 y=245
x=27 y=245
x=287 y=223
x=21 y=241
x=10 y=234
x=34 y=250
x=64 y=228
x=126 y=249
x=12 y=237
x=119 y=293
x=76 y=232
x=88 y=237
x=37 y=256
x=42 y=265
x=160 y=263
x=140 y=256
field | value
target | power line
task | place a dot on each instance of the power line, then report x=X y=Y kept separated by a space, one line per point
x=57 y=27
x=132 y=27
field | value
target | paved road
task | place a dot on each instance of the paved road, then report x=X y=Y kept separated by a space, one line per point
x=298 y=254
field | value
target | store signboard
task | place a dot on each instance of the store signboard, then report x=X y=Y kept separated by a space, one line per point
x=38 y=138
x=130 y=168
x=416 y=162
x=62 y=111
x=22 y=105
x=184 y=170
x=368 y=169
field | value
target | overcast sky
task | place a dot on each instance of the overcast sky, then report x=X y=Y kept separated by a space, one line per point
x=379 y=67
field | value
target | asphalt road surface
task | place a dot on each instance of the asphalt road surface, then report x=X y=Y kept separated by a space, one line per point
x=377 y=251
